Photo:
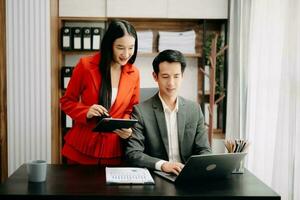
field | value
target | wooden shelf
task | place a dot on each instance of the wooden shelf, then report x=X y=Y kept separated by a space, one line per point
x=218 y=134
x=83 y=19
x=197 y=55
x=72 y=52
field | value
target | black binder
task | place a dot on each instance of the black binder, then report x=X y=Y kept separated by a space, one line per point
x=66 y=73
x=76 y=38
x=97 y=33
x=66 y=38
x=86 y=38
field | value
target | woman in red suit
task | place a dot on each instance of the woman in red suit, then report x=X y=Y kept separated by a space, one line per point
x=106 y=83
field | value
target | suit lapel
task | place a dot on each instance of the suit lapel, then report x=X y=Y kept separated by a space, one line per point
x=181 y=117
x=161 y=121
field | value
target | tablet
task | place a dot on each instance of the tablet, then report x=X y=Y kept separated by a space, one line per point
x=111 y=124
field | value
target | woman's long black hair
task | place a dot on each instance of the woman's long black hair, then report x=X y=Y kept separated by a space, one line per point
x=116 y=29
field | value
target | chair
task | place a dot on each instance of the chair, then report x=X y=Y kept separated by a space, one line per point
x=146 y=93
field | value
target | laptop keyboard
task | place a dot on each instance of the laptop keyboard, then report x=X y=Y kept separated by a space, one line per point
x=171 y=177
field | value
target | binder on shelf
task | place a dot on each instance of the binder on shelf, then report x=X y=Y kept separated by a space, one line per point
x=96 y=37
x=66 y=38
x=66 y=73
x=86 y=38
x=67 y=121
x=76 y=38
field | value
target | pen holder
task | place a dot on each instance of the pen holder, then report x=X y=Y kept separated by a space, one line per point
x=240 y=168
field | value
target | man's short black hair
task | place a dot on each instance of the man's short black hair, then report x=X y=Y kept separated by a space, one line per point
x=170 y=56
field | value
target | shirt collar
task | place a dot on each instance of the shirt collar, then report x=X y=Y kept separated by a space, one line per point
x=165 y=106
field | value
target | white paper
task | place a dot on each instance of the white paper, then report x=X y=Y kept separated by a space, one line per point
x=145 y=40
x=181 y=41
x=128 y=175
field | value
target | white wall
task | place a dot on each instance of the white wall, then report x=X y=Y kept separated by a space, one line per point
x=28 y=81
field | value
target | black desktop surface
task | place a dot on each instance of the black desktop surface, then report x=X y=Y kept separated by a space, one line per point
x=88 y=182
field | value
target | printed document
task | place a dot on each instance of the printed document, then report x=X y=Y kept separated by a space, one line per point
x=128 y=175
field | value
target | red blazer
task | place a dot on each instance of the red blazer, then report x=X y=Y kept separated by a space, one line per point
x=81 y=93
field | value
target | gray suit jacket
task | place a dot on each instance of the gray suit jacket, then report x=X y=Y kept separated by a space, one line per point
x=149 y=142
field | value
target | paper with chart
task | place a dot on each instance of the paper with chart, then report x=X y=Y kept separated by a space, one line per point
x=128 y=175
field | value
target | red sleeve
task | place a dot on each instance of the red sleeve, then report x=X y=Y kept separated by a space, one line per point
x=70 y=103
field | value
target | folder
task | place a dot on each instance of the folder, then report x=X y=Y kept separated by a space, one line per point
x=66 y=73
x=86 y=38
x=76 y=38
x=97 y=33
x=67 y=121
x=66 y=38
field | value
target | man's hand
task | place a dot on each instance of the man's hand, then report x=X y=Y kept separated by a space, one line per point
x=172 y=167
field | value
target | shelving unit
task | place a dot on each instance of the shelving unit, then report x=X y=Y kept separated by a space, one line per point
x=201 y=27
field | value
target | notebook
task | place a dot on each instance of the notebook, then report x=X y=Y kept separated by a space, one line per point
x=208 y=166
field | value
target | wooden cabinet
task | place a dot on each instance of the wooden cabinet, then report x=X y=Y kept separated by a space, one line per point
x=79 y=8
x=137 y=8
x=198 y=9
x=176 y=9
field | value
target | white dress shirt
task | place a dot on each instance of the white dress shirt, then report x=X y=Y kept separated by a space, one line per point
x=172 y=131
x=114 y=92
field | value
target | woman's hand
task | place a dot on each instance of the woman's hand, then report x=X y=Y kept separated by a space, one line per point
x=172 y=167
x=96 y=110
x=124 y=132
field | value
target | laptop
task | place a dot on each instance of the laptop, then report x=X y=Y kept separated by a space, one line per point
x=208 y=166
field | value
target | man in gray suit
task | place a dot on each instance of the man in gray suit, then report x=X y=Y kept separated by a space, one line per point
x=170 y=128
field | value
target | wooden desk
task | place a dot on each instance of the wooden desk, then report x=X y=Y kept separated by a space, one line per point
x=88 y=182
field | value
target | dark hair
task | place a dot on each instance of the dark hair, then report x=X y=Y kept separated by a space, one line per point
x=170 y=56
x=115 y=30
